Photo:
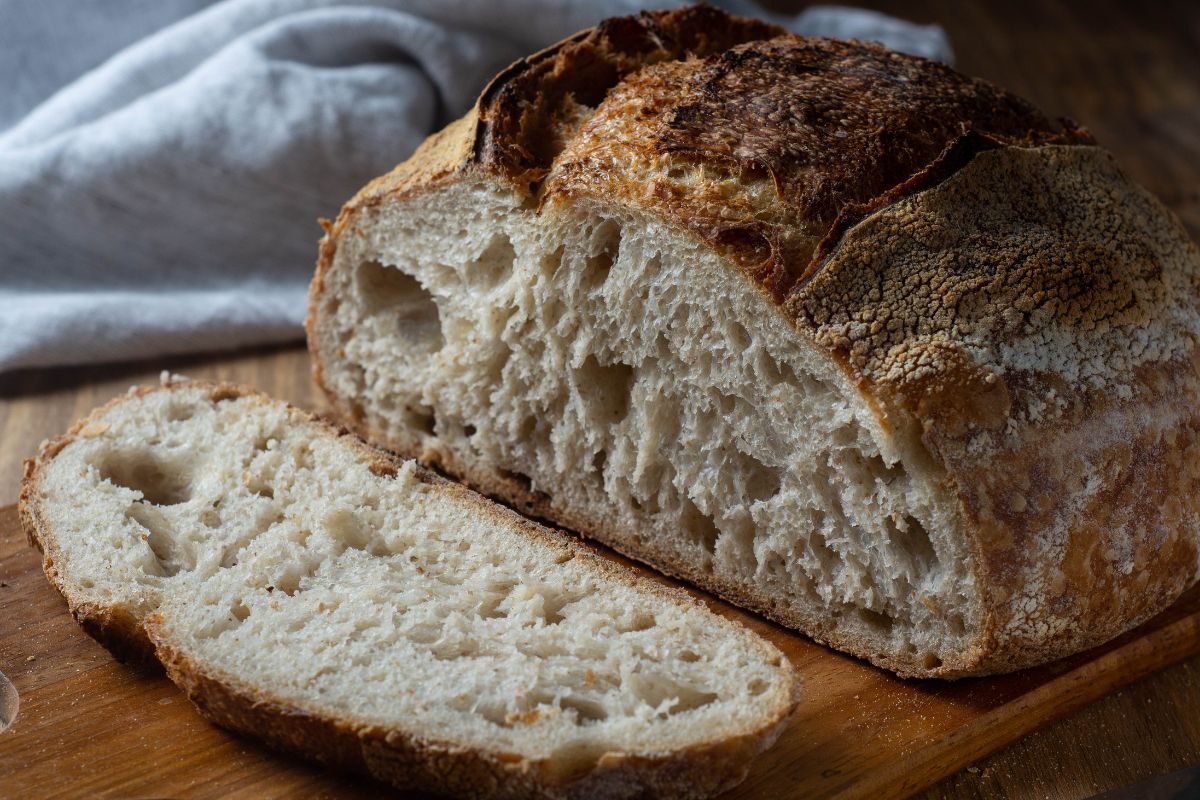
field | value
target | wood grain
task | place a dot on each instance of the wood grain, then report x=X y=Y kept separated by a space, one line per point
x=860 y=732
x=1131 y=73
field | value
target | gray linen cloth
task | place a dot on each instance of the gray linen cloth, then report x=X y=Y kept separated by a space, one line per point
x=163 y=162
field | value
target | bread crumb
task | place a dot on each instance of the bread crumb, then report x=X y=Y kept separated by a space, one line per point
x=166 y=377
x=92 y=430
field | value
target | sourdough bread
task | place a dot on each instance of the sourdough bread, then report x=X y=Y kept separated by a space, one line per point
x=306 y=589
x=871 y=347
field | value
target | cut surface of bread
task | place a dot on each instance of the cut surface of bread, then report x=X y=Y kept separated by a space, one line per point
x=756 y=312
x=333 y=600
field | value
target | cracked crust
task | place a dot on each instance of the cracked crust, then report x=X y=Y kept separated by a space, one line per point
x=1002 y=295
x=1034 y=318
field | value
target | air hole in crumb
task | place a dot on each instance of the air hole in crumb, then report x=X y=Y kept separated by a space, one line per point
x=641 y=621
x=700 y=526
x=452 y=651
x=605 y=388
x=348 y=528
x=519 y=478
x=768 y=368
x=289 y=580
x=265 y=519
x=757 y=686
x=657 y=690
x=761 y=481
x=739 y=337
x=423 y=419
x=489 y=607
x=774 y=566
x=586 y=710
x=882 y=471
x=240 y=611
x=169 y=561
x=303 y=456
x=496 y=713
x=210 y=518
x=469 y=431
x=599 y=459
x=845 y=436
x=551 y=263
x=881 y=622
x=410 y=310
x=553 y=604
x=160 y=482
x=424 y=634
x=494 y=264
x=607 y=243
x=931 y=661
x=909 y=536
x=689 y=656
x=179 y=412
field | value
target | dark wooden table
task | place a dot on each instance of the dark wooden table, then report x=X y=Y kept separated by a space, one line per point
x=1128 y=71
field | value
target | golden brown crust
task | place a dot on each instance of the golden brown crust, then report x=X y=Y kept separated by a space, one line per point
x=997 y=289
x=527 y=113
x=759 y=149
x=407 y=761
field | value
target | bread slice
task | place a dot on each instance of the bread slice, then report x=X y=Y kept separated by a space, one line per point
x=331 y=600
x=752 y=308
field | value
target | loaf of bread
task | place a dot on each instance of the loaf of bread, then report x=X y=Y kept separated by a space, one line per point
x=334 y=601
x=842 y=335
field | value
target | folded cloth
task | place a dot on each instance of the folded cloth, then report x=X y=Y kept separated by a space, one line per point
x=163 y=162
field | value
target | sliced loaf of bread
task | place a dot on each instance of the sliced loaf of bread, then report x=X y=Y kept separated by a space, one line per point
x=853 y=340
x=334 y=601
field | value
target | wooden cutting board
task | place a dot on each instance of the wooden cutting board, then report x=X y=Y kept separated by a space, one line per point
x=88 y=726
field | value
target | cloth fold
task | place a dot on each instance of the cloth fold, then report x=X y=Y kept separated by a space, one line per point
x=162 y=164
